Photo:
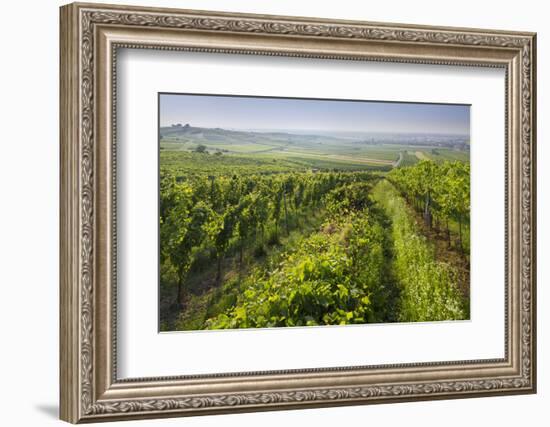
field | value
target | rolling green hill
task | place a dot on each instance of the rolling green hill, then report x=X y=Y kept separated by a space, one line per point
x=304 y=150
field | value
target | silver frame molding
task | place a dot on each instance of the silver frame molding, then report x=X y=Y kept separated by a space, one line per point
x=90 y=37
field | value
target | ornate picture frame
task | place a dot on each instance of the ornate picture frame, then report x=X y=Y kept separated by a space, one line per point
x=90 y=37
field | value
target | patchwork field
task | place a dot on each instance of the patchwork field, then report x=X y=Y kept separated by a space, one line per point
x=279 y=151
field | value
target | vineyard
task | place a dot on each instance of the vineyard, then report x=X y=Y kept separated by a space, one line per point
x=263 y=243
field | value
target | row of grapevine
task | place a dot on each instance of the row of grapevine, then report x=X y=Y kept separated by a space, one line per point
x=441 y=191
x=333 y=277
x=428 y=287
x=215 y=213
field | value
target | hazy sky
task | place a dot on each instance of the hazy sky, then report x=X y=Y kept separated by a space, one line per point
x=233 y=112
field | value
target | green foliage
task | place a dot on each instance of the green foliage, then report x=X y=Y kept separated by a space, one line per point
x=201 y=149
x=184 y=226
x=440 y=190
x=327 y=280
x=428 y=289
x=220 y=212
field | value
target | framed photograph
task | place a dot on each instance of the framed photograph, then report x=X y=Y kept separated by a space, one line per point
x=266 y=212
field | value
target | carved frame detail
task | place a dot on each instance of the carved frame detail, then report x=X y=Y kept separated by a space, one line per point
x=80 y=400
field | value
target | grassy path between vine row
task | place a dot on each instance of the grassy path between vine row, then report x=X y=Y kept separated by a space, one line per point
x=429 y=288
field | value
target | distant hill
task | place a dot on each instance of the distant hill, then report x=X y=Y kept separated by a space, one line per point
x=371 y=150
x=201 y=135
x=218 y=134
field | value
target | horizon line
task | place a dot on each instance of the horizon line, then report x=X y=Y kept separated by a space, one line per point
x=253 y=129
